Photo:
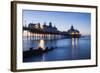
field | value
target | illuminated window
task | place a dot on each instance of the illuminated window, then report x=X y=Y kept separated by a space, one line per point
x=72 y=33
x=77 y=33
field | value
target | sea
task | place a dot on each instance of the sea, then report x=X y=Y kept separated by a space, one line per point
x=64 y=49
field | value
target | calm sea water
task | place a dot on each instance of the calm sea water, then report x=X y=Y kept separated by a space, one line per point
x=65 y=49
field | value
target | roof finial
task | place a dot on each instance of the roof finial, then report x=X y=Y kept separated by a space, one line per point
x=72 y=27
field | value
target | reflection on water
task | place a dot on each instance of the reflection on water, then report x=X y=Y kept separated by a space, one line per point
x=74 y=47
x=43 y=57
x=64 y=49
x=42 y=44
x=74 y=42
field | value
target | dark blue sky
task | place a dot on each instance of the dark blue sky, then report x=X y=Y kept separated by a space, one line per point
x=62 y=20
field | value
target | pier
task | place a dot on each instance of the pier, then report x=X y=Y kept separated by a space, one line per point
x=36 y=32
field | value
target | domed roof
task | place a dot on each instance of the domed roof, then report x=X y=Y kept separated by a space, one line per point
x=72 y=30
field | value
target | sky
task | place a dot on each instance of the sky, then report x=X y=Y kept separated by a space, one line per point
x=62 y=20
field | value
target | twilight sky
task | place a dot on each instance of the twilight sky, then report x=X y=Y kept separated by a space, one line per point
x=62 y=20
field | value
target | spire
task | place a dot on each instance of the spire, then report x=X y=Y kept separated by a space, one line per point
x=44 y=23
x=72 y=28
x=50 y=24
